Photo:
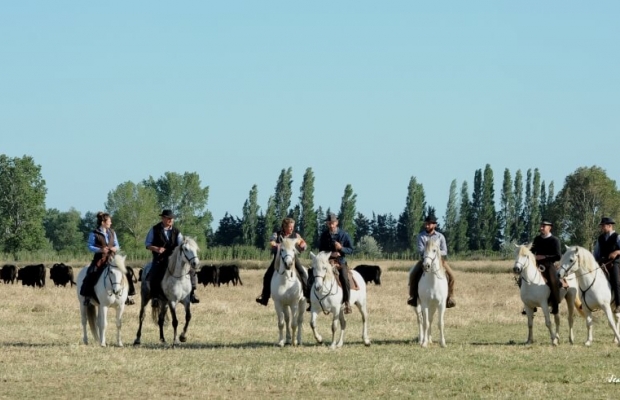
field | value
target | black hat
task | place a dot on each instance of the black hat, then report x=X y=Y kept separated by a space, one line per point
x=546 y=222
x=431 y=219
x=331 y=218
x=167 y=214
x=607 y=221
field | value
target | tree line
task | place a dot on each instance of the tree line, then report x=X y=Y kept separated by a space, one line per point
x=472 y=221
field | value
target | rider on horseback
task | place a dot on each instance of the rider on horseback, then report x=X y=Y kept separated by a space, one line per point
x=287 y=231
x=546 y=248
x=162 y=240
x=338 y=242
x=104 y=243
x=429 y=233
x=607 y=252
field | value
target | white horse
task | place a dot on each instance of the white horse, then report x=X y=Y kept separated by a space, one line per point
x=433 y=293
x=594 y=288
x=176 y=286
x=287 y=294
x=326 y=295
x=535 y=293
x=111 y=290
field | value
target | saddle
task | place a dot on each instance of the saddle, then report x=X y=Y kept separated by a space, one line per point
x=352 y=282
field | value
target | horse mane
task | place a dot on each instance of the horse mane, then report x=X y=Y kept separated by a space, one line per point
x=524 y=250
x=119 y=262
x=290 y=244
x=323 y=258
x=585 y=258
x=186 y=240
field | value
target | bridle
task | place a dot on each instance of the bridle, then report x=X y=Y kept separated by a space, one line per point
x=522 y=267
x=283 y=256
x=329 y=292
x=583 y=292
x=183 y=254
x=432 y=262
x=109 y=276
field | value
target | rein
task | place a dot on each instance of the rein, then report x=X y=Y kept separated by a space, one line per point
x=435 y=271
x=527 y=264
x=108 y=276
x=329 y=292
x=183 y=274
x=583 y=292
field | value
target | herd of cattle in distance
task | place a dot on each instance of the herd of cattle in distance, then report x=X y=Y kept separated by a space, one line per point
x=62 y=275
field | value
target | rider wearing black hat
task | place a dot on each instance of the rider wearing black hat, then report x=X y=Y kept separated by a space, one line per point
x=546 y=248
x=429 y=233
x=162 y=239
x=607 y=252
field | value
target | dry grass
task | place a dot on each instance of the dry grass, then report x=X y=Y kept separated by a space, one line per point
x=231 y=353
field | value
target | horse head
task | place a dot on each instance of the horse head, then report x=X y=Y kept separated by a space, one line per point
x=431 y=261
x=287 y=253
x=118 y=261
x=321 y=268
x=188 y=249
x=570 y=261
x=523 y=258
x=117 y=282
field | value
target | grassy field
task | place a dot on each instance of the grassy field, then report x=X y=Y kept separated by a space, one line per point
x=230 y=351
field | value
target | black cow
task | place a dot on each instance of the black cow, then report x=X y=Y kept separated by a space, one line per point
x=62 y=274
x=370 y=273
x=207 y=274
x=228 y=273
x=8 y=273
x=32 y=275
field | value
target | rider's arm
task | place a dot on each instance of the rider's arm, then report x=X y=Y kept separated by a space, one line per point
x=596 y=252
x=421 y=243
x=347 y=246
x=443 y=248
x=91 y=244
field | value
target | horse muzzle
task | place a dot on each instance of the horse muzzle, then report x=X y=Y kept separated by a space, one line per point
x=517 y=269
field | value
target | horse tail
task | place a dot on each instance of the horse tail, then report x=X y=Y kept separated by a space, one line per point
x=91 y=314
x=579 y=306
x=155 y=311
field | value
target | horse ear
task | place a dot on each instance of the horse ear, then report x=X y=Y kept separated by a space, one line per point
x=516 y=245
x=312 y=255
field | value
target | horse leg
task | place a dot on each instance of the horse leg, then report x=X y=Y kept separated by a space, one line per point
x=418 y=313
x=361 y=305
x=287 y=323
x=103 y=323
x=294 y=313
x=556 y=320
x=335 y=323
x=280 y=314
x=343 y=327
x=143 y=302
x=301 y=308
x=589 y=322
x=83 y=313
x=426 y=325
x=163 y=306
x=119 y=323
x=545 y=308
x=440 y=323
x=570 y=302
x=175 y=323
x=530 y=324
x=188 y=317
x=612 y=322
x=315 y=331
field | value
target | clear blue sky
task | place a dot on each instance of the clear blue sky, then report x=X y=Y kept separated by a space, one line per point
x=365 y=93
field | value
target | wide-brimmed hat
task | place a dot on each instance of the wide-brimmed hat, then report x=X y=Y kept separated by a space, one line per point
x=546 y=222
x=331 y=218
x=607 y=221
x=167 y=214
x=431 y=219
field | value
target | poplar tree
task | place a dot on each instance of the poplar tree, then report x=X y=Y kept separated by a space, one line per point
x=475 y=213
x=534 y=206
x=450 y=226
x=411 y=219
x=461 y=241
x=347 y=212
x=488 y=216
x=283 y=194
x=250 y=218
x=271 y=223
x=518 y=225
x=507 y=210
x=308 y=227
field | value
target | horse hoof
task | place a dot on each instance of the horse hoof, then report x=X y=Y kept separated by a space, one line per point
x=588 y=344
x=136 y=342
x=443 y=345
x=183 y=339
x=366 y=342
x=120 y=344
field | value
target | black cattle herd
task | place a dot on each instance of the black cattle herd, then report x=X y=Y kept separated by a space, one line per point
x=62 y=275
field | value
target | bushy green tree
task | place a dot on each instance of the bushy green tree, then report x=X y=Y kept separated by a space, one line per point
x=134 y=210
x=22 y=205
x=62 y=229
